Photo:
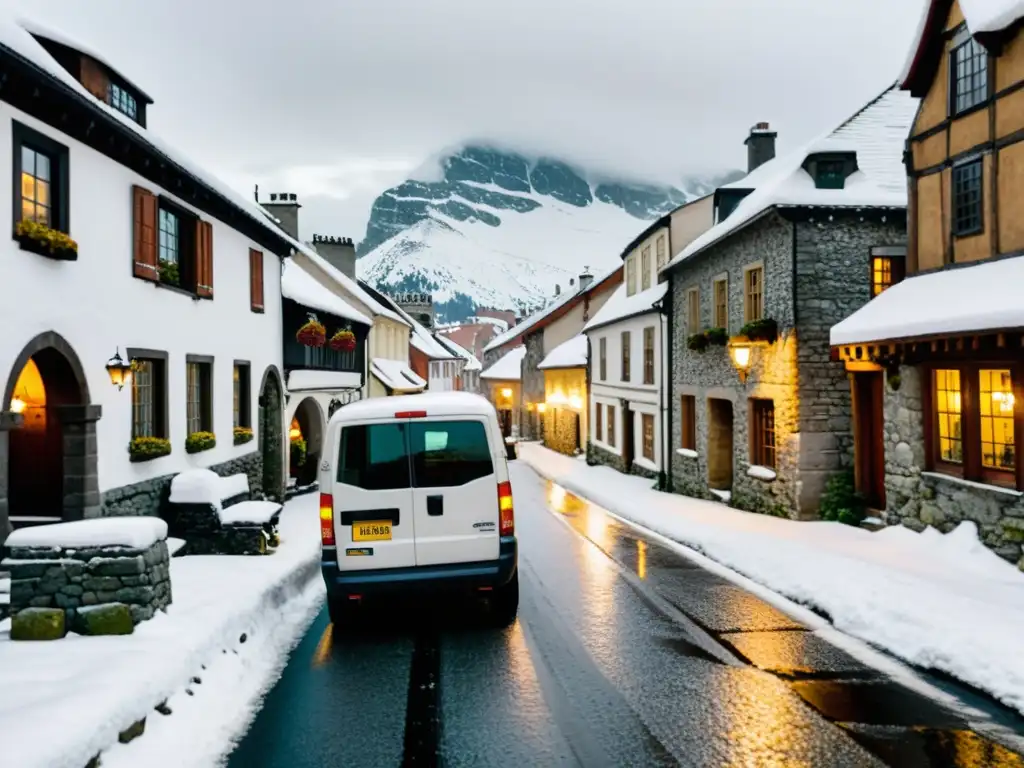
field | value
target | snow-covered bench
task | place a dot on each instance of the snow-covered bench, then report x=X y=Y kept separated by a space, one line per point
x=215 y=516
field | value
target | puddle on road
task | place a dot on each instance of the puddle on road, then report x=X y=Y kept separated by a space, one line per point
x=929 y=748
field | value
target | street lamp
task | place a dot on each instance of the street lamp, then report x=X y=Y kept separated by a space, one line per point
x=120 y=372
x=740 y=353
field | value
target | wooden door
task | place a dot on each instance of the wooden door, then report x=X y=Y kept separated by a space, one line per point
x=628 y=437
x=869 y=439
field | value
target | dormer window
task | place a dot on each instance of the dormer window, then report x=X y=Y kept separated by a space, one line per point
x=122 y=101
x=831 y=170
x=968 y=73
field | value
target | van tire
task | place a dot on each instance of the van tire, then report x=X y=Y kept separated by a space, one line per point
x=505 y=602
x=342 y=613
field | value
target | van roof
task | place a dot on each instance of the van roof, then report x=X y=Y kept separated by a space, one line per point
x=435 y=404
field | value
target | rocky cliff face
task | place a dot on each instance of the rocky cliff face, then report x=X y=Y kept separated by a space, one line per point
x=497 y=228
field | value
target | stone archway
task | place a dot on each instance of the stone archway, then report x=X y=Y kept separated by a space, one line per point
x=48 y=454
x=271 y=414
x=310 y=422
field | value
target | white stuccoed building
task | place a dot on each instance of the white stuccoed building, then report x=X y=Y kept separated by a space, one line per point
x=153 y=259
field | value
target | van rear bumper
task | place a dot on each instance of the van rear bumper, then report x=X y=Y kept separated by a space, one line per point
x=457 y=576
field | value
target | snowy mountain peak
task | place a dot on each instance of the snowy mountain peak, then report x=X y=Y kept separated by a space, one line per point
x=484 y=227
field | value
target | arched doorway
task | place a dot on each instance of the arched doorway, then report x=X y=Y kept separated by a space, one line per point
x=271 y=442
x=305 y=437
x=48 y=459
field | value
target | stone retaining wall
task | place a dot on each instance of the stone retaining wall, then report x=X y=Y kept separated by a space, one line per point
x=52 y=577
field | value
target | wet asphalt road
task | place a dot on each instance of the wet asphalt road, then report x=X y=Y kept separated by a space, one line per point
x=625 y=654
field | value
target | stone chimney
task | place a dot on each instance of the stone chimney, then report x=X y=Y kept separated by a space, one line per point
x=586 y=279
x=339 y=251
x=760 y=146
x=285 y=206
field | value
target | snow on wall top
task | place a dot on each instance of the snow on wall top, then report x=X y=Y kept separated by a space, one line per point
x=876 y=133
x=130 y=532
x=297 y=284
x=569 y=354
x=984 y=297
x=620 y=306
x=509 y=368
x=396 y=375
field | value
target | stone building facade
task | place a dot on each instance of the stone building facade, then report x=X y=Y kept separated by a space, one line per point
x=532 y=390
x=816 y=270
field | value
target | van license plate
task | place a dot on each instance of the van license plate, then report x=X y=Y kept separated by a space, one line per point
x=374 y=530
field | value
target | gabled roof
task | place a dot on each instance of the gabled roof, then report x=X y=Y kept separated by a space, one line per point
x=472 y=364
x=509 y=368
x=876 y=133
x=657 y=224
x=555 y=310
x=622 y=307
x=986 y=20
x=300 y=286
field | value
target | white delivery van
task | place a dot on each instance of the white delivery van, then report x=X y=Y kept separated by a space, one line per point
x=415 y=495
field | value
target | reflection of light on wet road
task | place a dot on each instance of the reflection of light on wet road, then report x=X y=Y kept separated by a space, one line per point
x=323 y=648
x=556 y=497
x=641 y=558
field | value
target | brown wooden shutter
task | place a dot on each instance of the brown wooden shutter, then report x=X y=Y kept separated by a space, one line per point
x=144 y=251
x=256 y=280
x=204 y=259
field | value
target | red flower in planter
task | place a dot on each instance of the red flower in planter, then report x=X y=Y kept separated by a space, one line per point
x=343 y=341
x=312 y=333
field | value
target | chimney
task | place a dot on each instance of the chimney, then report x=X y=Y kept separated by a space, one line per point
x=340 y=252
x=586 y=279
x=558 y=290
x=284 y=206
x=760 y=146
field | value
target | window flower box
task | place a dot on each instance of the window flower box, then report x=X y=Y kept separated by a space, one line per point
x=169 y=273
x=42 y=240
x=198 y=442
x=312 y=333
x=243 y=435
x=697 y=342
x=148 y=448
x=717 y=337
x=765 y=331
x=343 y=341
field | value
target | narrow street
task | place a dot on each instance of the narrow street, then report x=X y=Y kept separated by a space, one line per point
x=625 y=653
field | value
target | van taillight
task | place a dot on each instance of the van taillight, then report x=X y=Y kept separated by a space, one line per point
x=506 y=517
x=326 y=520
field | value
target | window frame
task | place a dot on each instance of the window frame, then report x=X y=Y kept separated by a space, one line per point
x=763 y=454
x=645 y=268
x=603 y=358
x=720 y=280
x=206 y=398
x=897 y=258
x=631 y=274
x=625 y=355
x=188 y=222
x=610 y=426
x=128 y=97
x=649 y=356
x=242 y=410
x=161 y=395
x=599 y=422
x=688 y=422
x=60 y=190
x=645 y=420
x=748 y=316
x=661 y=251
x=955 y=218
x=961 y=41
x=693 y=324
x=972 y=468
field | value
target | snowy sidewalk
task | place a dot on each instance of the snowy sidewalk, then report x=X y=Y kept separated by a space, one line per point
x=941 y=602
x=62 y=702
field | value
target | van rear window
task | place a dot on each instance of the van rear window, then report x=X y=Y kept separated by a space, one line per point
x=373 y=457
x=446 y=453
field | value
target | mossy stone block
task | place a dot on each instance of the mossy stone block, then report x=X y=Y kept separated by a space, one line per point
x=38 y=624
x=107 y=619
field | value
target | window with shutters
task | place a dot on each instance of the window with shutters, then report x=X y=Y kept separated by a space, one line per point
x=242 y=394
x=40 y=178
x=255 y=280
x=198 y=394
x=172 y=246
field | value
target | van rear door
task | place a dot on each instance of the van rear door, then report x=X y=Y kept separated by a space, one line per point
x=455 y=491
x=374 y=524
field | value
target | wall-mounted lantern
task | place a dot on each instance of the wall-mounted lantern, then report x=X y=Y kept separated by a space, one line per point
x=506 y=392
x=541 y=407
x=740 y=353
x=119 y=371
x=17 y=405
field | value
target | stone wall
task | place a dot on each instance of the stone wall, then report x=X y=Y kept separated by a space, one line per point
x=149 y=496
x=532 y=390
x=833 y=280
x=711 y=374
x=916 y=498
x=597 y=456
x=69 y=579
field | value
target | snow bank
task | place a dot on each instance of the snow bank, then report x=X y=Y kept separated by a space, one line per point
x=196 y=486
x=258 y=512
x=132 y=532
x=62 y=702
x=942 y=602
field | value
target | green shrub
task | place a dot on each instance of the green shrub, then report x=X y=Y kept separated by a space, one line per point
x=765 y=329
x=698 y=342
x=200 y=441
x=169 y=272
x=717 y=337
x=840 y=502
x=146 y=448
x=298 y=451
x=242 y=435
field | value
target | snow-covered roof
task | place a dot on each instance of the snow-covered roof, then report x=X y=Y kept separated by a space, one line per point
x=396 y=375
x=298 y=285
x=620 y=306
x=981 y=16
x=560 y=301
x=472 y=364
x=982 y=297
x=568 y=354
x=509 y=368
x=876 y=133
x=130 y=532
x=421 y=338
x=434 y=403
x=347 y=283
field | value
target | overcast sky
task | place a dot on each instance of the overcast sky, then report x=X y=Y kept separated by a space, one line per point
x=339 y=99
